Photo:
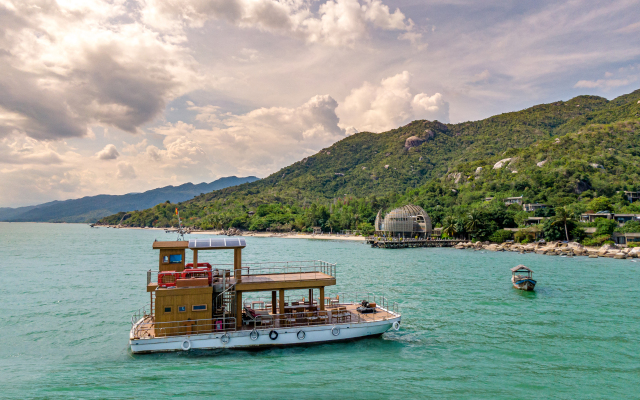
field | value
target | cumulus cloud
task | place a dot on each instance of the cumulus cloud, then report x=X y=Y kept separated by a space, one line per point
x=108 y=153
x=22 y=150
x=125 y=171
x=257 y=142
x=337 y=22
x=377 y=108
x=66 y=65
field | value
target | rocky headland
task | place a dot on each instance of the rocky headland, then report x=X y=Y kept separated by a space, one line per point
x=570 y=249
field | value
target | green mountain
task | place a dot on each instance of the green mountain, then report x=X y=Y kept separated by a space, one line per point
x=92 y=208
x=435 y=165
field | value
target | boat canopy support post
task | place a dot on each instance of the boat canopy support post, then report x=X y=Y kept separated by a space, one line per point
x=195 y=258
x=239 y=310
x=321 y=300
x=237 y=264
x=281 y=301
x=274 y=302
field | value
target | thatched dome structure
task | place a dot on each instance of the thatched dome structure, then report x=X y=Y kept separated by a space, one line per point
x=407 y=221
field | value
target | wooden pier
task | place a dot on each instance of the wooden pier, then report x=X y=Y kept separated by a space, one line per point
x=400 y=243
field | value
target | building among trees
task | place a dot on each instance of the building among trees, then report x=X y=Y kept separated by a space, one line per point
x=408 y=221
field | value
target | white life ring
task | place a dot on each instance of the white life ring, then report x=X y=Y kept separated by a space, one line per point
x=301 y=335
x=225 y=338
x=186 y=345
x=254 y=334
x=335 y=331
x=396 y=325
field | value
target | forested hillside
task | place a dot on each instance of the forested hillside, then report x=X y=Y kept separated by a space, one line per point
x=560 y=154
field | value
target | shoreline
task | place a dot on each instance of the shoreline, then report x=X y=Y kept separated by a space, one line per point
x=284 y=235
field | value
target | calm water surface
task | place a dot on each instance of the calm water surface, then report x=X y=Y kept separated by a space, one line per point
x=69 y=291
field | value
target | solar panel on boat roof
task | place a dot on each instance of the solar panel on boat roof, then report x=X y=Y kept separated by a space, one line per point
x=207 y=243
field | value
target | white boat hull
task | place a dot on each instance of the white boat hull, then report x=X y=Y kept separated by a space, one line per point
x=243 y=339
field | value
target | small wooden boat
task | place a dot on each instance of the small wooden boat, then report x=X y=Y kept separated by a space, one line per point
x=521 y=278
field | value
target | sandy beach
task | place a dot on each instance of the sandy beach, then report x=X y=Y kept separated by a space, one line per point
x=285 y=235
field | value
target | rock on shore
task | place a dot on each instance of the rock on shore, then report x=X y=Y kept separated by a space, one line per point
x=556 y=249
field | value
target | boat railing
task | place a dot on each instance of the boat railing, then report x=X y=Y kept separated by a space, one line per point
x=141 y=313
x=288 y=267
x=358 y=297
x=152 y=329
x=263 y=268
x=331 y=316
x=341 y=299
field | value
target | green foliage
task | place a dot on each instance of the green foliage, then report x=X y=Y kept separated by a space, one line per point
x=605 y=226
x=629 y=227
x=596 y=241
x=366 y=228
x=601 y=203
x=501 y=236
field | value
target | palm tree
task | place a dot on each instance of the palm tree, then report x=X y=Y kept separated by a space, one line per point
x=449 y=226
x=474 y=221
x=561 y=218
x=461 y=223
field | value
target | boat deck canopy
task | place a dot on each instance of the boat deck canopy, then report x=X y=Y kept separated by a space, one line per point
x=217 y=243
x=520 y=268
x=180 y=244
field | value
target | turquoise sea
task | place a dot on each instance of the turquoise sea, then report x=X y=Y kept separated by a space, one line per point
x=69 y=291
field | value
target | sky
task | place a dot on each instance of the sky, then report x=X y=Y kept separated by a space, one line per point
x=120 y=96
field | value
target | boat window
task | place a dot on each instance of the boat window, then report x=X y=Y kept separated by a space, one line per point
x=182 y=308
x=165 y=259
x=175 y=258
x=199 y=307
x=167 y=309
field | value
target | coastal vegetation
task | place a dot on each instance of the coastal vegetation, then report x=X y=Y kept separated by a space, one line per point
x=574 y=156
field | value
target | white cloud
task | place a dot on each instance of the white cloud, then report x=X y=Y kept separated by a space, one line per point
x=125 y=171
x=378 y=108
x=622 y=77
x=66 y=65
x=257 y=142
x=337 y=22
x=108 y=153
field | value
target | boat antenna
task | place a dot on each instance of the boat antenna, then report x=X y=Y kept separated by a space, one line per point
x=180 y=230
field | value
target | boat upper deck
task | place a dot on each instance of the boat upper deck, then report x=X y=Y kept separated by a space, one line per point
x=250 y=277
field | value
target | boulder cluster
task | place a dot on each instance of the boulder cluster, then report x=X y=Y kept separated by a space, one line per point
x=556 y=249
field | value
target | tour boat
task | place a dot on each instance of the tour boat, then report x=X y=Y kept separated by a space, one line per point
x=204 y=306
x=520 y=281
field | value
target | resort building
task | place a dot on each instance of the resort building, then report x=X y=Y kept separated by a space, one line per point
x=512 y=200
x=632 y=196
x=620 y=218
x=626 y=238
x=533 y=207
x=408 y=221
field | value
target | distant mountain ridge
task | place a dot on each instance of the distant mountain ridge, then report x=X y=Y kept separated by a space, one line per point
x=92 y=208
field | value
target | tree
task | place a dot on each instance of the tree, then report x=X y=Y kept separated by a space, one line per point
x=474 y=221
x=561 y=218
x=601 y=203
x=449 y=226
x=605 y=226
